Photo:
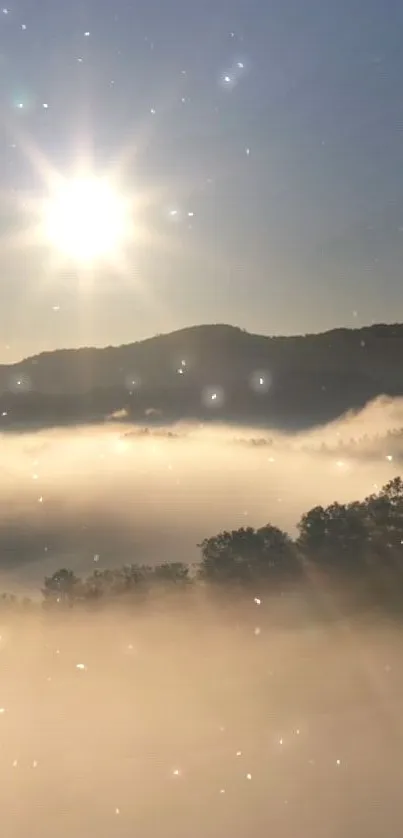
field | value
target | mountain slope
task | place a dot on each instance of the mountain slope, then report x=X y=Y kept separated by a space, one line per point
x=289 y=380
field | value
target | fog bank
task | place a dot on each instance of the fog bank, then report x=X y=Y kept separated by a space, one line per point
x=102 y=496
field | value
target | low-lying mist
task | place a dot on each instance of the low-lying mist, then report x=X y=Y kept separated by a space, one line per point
x=207 y=713
x=103 y=496
x=198 y=722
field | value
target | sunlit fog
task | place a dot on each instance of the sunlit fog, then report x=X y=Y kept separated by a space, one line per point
x=190 y=714
x=105 y=496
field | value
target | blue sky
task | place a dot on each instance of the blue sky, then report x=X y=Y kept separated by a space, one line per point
x=273 y=129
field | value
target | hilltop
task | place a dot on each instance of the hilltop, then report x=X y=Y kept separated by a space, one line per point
x=209 y=371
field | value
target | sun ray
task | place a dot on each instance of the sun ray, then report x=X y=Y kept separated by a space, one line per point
x=85 y=225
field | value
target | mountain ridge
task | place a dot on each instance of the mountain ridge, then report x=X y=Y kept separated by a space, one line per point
x=390 y=328
x=254 y=377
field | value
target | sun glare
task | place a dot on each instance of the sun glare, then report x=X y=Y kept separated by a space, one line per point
x=86 y=220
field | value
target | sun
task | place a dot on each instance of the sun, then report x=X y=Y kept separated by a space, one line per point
x=86 y=219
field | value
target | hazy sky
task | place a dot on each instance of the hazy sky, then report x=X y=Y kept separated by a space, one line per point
x=264 y=138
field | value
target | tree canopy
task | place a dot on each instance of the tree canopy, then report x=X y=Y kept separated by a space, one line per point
x=356 y=539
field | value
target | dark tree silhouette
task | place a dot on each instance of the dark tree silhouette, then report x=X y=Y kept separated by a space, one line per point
x=111 y=583
x=247 y=555
x=62 y=587
x=385 y=516
x=172 y=573
x=359 y=545
x=337 y=534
